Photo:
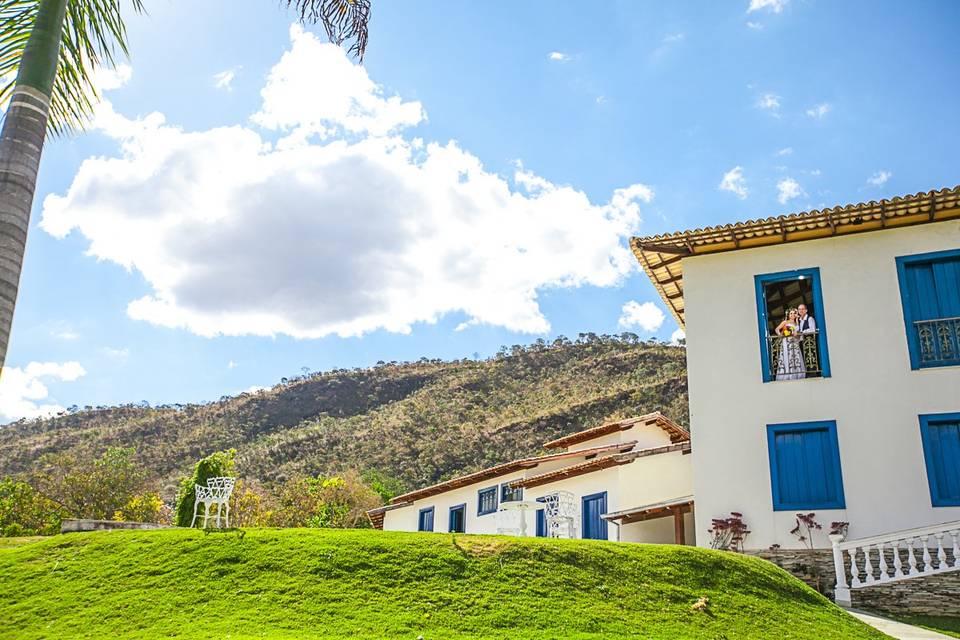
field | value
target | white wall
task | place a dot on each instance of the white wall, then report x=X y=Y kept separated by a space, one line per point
x=873 y=394
x=658 y=531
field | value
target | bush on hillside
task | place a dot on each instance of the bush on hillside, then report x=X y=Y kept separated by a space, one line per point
x=339 y=501
x=24 y=512
x=251 y=505
x=219 y=464
x=100 y=488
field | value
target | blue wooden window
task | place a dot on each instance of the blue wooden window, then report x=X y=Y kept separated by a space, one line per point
x=805 y=466
x=594 y=506
x=425 y=521
x=458 y=519
x=930 y=294
x=508 y=493
x=940 y=434
x=486 y=501
x=541 y=520
x=775 y=293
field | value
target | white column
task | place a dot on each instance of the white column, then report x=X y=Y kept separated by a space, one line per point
x=841 y=591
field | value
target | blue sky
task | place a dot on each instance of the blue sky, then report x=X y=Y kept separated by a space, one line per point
x=299 y=212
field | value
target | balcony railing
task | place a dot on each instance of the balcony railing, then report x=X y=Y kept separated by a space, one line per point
x=794 y=357
x=939 y=341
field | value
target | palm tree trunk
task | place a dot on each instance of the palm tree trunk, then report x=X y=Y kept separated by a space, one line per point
x=21 y=143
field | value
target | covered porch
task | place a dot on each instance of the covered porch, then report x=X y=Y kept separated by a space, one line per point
x=653 y=522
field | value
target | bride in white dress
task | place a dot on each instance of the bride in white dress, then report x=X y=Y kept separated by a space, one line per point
x=790 y=365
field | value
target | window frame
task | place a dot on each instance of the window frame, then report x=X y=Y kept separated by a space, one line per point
x=505 y=486
x=433 y=519
x=831 y=427
x=765 y=278
x=496 y=500
x=913 y=340
x=936 y=500
x=462 y=507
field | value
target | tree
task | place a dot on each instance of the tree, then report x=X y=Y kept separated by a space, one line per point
x=24 y=512
x=52 y=48
x=109 y=486
x=339 y=501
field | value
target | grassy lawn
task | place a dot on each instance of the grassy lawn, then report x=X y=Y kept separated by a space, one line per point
x=945 y=625
x=312 y=583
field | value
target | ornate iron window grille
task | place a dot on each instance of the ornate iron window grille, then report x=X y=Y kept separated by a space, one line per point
x=939 y=341
x=809 y=353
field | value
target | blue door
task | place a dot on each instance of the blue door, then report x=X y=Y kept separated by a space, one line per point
x=594 y=506
x=458 y=519
x=541 y=520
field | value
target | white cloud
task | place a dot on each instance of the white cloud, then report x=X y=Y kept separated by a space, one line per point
x=63 y=331
x=559 y=56
x=818 y=111
x=677 y=336
x=106 y=79
x=646 y=316
x=734 y=182
x=786 y=151
x=879 y=178
x=788 y=189
x=22 y=391
x=756 y=26
x=769 y=102
x=340 y=227
x=232 y=365
x=667 y=42
x=776 y=6
x=224 y=79
x=117 y=354
x=255 y=389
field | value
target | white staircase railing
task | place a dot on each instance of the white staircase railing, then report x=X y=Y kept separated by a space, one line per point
x=880 y=560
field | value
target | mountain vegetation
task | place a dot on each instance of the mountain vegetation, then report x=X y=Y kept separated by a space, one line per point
x=336 y=583
x=411 y=423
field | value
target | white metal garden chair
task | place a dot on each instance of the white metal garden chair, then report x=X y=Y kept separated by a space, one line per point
x=216 y=492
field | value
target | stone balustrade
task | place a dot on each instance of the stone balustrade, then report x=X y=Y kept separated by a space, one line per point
x=894 y=557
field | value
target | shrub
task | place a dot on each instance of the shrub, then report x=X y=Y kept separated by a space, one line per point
x=91 y=488
x=250 y=505
x=24 y=512
x=805 y=527
x=217 y=464
x=339 y=501
x=728 y=533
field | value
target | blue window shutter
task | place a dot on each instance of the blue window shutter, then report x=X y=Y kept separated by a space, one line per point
x=805 y=466
x=929 y=290
x=941 y=447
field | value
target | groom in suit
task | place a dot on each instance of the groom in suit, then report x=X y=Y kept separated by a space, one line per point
x=806 y=323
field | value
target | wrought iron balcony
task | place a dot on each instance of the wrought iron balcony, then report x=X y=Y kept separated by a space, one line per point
x=794 y=357
x=939 y=341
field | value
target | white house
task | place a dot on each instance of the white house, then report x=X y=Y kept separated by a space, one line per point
x=857 y=418
x=628 y=480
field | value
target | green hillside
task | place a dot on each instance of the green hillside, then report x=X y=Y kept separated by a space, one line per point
x=302 y=583
x=420 y=422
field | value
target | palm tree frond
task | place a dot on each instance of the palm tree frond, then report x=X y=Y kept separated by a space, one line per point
x=93 y=35
x=343 y=20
